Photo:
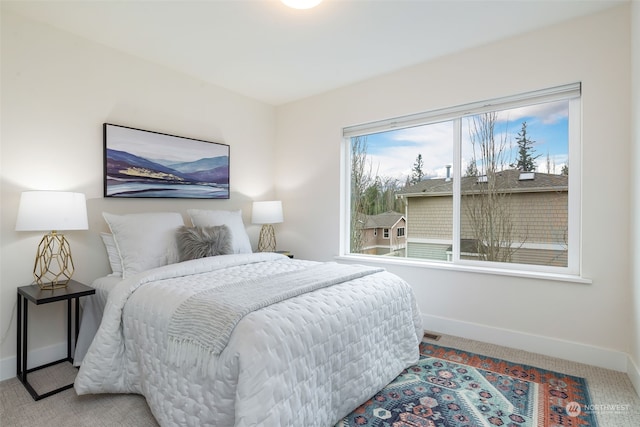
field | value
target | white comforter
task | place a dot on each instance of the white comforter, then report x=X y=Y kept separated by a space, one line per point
x=307 y=361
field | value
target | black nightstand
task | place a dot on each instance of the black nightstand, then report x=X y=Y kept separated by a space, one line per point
x=33 y=293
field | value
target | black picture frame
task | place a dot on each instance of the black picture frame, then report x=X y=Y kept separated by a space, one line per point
x=145 y=164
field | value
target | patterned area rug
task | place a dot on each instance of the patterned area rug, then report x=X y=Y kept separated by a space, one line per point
x=453 y=388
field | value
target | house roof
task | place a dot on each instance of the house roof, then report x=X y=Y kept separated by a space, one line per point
x=383 y=220
x=512 y=180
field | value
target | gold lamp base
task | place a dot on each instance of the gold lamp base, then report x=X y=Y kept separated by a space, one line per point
x=267 y=239
x=53 y=267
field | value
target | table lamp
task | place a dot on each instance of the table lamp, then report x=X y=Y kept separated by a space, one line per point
x=52 y=211
x=267 y=213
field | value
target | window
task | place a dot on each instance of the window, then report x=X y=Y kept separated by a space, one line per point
x=486 y=184
x=385 y=233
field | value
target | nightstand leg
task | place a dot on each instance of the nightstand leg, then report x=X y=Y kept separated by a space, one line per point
x=19 y=338
x=75 y=338
x=25 y=337
x=69 y=329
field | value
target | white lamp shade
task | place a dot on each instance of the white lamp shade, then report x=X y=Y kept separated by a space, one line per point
x=52 y=211
x=267 y=212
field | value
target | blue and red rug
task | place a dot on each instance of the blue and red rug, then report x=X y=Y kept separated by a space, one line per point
x=454 y=388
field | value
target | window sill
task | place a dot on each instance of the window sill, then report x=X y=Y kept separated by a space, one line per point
x=464 y=268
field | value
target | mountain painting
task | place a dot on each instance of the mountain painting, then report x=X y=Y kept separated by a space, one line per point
x=139 y=163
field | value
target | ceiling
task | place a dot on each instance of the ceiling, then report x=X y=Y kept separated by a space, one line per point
x=269 y=52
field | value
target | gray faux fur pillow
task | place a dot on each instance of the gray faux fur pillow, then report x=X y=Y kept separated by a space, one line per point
x=200 y=242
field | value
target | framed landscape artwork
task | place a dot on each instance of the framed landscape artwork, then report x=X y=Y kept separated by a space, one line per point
x=140 y=163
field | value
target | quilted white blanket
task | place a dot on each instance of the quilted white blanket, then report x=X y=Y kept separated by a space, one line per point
x=306 y=361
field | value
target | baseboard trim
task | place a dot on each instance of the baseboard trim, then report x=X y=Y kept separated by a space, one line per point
x=36 y=357
x=634 y=374
x=568 y=350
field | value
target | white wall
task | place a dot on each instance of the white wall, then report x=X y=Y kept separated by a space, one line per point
x=551 y=317
x=634 y=365
x=57 y=90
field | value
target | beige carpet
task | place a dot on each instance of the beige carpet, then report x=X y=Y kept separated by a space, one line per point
x=613 y=396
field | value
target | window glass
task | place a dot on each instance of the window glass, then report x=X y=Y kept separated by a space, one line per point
x=489 y=186
x=384 y=165
x=514 y=185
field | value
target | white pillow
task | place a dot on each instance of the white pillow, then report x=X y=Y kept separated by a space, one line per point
x=232 y=219
x=112 y=253
x=144 y=240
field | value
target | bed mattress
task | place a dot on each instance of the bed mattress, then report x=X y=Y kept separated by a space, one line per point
x=309 y=360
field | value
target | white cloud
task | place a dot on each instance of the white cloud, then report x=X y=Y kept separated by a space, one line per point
x=434 y=142
x=547 y=113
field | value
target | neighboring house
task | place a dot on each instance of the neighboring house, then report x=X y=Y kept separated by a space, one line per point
x=384 y=234
x=535 y=203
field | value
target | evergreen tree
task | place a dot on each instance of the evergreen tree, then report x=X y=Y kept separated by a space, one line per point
x=472 y=168
x=548 y=162
x=416 y=171
x=525 y=161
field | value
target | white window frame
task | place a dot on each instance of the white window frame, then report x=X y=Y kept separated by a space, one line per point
x=570 y=93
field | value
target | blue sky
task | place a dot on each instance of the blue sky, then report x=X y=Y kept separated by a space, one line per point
x=393 y=153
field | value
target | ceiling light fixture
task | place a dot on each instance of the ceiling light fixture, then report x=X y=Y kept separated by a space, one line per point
x=301 y=4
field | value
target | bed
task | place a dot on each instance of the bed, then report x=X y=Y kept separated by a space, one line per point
x=309 y=358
